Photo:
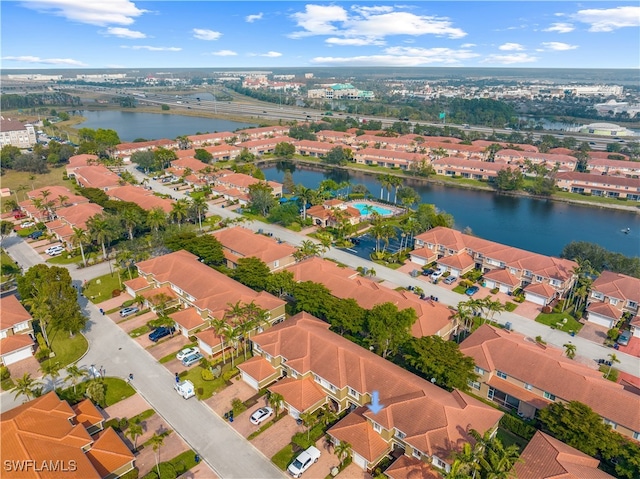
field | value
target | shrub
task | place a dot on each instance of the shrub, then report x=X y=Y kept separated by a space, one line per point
x=4 y=373
x=128 y=303
x=207 y=375
x=517 y=426
x=199 y=392
x=115 y=293
x=114 y=423
x=205 y=363
x=613 y=334
x=124 y=423
x=132 y=474
x=495 y=291
x=226 y=376
x=42 y=354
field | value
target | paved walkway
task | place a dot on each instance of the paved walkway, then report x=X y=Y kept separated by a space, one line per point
x=277 y=436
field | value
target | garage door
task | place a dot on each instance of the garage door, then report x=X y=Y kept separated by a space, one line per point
x=16 y=356
x=360 y=461
x=504 y=288
x=534 y=298
x=250 y=381
x=420 y=261
x=601 y=320
x=490 y=284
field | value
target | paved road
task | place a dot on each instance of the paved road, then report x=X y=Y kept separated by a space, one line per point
x=584 y=347
x=219 y=445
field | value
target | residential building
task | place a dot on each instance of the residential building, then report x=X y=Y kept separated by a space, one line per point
x=389 y=158
x=442 y=148
x=434 y=319
x=549 y=160
x=542 y=278
x=95 y=176
x=16 y=331
x=605 y=166
x=211 y=138
x=239 y=242
x=50 y=439
x=15 y=133
x=82 y=160
x=262 y=132
x=262 y=146
x=184 y=164
x=52 y=198
x=241 y=182
x=336 y=136
x=182 y=279
x=319 y=367
x=474 y=169
x=125 y=150
x=542 y=375
x=332 y=212
x=600 y=185
x=547 y=458
x=312 y=148
x=612 y=295
x=144 y=198
x=71 y=217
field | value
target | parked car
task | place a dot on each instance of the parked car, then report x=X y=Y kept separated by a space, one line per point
x=19 y=215
x=437 y=274
x=304 y=461
x=449 y=280
x=35 y=235
x=428 y=272
x=128 y=311
x=623 y=339
x=159 y=333
x=54 y=250
x=28 y=224
x=186 y=352
x=261 y=415
x=192 y=359
x=472 y=290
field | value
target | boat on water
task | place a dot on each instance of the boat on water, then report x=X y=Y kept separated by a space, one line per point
x=626 y=230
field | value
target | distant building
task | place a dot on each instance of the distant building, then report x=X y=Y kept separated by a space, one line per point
x=606 y=129
x=16 y=331
x=15 y=133
x=341 y=91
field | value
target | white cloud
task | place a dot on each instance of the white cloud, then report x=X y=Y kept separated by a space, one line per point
x=123 y=33
x=560 y=27
x=45 y=61
x=224 y=53
x=370 y=23
x=271 y=54
x=511 y=47
x=253 y=18
x=510 y=59
x=402 y=57
x=152 y=49
x=558 y=46
x=609 y=19
x=468 y=45
x=120 y=12
x=357 y=42
x=202 y=34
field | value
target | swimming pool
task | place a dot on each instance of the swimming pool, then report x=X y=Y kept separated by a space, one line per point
x=367 y=208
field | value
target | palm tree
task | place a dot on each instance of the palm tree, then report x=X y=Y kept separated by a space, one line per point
x=133 y=432
x=385 y=184
x=201 y=207
x=26 y=386
x=276 y=401
x=219 y=327
x=156 y=441
x=62 y=200
x=40 y=308
x=78 y=238
x=179 y=211
x=325 y=242
x=307 y=419
x=466 y=462
x=156 y=219
x=492 y=307
x=570 y=350
x=74 y=373
x=130 y=218
x=52 y=370
x=612 y=360
x=306 y=195
x=343 y=451
x=100 y=231
x=231 y=335
x=464 y=315
x=395 y=182
x=497 y=460
x=308 y=248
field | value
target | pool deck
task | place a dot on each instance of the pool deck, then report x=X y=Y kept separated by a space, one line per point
x=393 y=210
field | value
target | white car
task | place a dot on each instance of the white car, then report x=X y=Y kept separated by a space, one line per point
x=28 y=224
x=304 y=461
x=261 y=415
x=54 y=250
x=437 y=274
x=186 y=352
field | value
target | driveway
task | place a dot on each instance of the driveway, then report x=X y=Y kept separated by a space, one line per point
x=221 y=401
x=277 y=436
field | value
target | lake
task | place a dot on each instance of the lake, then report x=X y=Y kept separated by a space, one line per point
x=542 y=226
x=154 y=126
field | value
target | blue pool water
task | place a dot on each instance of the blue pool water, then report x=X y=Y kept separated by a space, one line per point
x=363 y=207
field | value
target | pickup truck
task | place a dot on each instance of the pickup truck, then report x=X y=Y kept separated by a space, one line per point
x=303 y=462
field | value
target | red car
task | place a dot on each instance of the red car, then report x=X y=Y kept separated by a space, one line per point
x=19 y=215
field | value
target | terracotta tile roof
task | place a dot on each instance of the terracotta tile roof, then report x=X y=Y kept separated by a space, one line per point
x=210 y=289
x=211 y=137
x=81 y=160
x=258 y=368
x=12 y=312
x=96 y=176
x=425 y=253
x=109 y=453
x=41 y=430
x=54 y=225
x=540 y=289
x=346 y=283
x=192 y=163
x=77 y=215
x=87 y=414
x=599 y=180
x=55 y=193
x=618 y=286
x=299 y=393
x=519 y=392
x=15 y=342
x=430 y=416
x=411 y=468
x=143 y=198
x=149 y=294
x=605 y=309
x=547 y=369
x=144 y=145
x=188 y=318
x=136 y=284
x=502 y=276
x=547 y=458
x=209 y=337
x=547 y=266
x=458 y=261
x=242 y=242
x=358 y=432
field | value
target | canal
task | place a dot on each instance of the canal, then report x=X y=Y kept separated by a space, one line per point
x=542 y=226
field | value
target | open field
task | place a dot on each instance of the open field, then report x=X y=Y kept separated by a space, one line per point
x=14 y=179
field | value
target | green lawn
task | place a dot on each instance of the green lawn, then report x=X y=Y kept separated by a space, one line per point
x=208 y=387
x=12 y=179
x=508 y=438
x=175 y=467
x=67 y=349
x=67 y=259
x=555 y=320
x=283 y=457
x=116 y=391
x=8 y=267
x=99 y=289
x=509 y=306
x=459 y=289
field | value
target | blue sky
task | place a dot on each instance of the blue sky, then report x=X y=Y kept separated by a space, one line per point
x=216 y=34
